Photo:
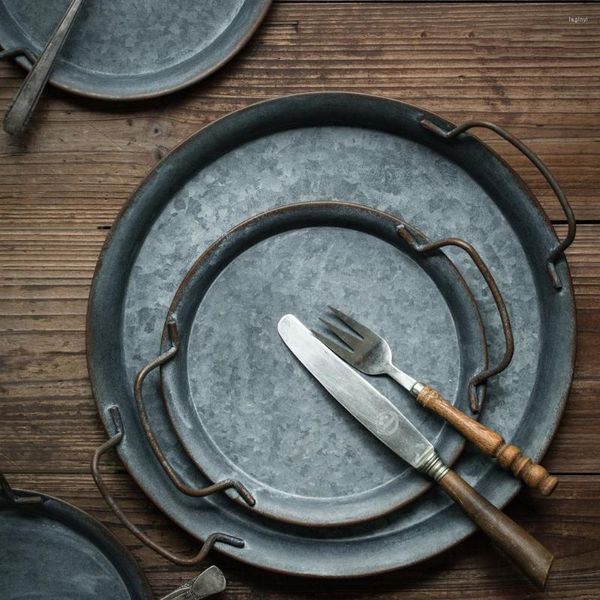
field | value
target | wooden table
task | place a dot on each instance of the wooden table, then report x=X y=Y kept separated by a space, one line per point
x=533 y=68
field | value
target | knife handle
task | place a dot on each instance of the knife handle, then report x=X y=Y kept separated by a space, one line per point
x=490 y=442
x=525 y=551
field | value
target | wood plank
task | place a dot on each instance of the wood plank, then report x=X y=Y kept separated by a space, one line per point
x=51 y=413
x=568 y=522
x=530 y=67
x=47 y=405
x=524 y=66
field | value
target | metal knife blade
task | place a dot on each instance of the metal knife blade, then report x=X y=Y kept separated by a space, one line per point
x=356 y=395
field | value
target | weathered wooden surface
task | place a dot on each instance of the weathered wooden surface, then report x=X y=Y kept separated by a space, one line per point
x=525 y=66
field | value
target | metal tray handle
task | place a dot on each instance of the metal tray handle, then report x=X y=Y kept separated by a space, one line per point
x=404 y=231
x=210 y=541
x=8 y=497
x=560 y=248
x=220 y=486
x=15 y=52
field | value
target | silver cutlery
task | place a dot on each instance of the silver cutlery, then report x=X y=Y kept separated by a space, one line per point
x=389 y=425
x=19 y=112
x=209 y=582
x=371 y=354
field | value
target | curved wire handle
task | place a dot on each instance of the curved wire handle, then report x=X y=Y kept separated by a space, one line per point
x=210 y=541
x=162 y=459
x=9 y=497
x=559 y=249
x=6 y=492
x=481 y=377
x=14 y=52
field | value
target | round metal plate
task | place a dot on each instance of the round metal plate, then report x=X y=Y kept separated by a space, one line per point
x=242 y=406
x=125 y=50
x=54 y=550
x=368 y=150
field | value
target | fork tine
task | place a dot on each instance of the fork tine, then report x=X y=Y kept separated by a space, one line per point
x=365 y=332
x=348 y=338
x=334 y=347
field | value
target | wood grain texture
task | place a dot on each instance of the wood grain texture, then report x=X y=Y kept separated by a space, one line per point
x=566 y=522
x=524 y=66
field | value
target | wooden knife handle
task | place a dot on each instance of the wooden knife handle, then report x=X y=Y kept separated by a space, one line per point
x=489 y=442
x=526 y=552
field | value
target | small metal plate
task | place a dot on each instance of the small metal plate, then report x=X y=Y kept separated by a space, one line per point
x=53 y=550
x=245 y=409
x=126 y=49
x=371 y=151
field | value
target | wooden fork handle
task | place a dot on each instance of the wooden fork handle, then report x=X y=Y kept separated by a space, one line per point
x=490 y=442
x=522 y=548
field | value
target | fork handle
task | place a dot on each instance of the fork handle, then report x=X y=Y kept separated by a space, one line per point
x=19 y=112
x=490 y=442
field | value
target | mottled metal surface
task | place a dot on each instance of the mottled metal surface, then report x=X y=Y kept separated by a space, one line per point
x=53 y=550
x=133 y=48
x=246 y=410
x=363 y=149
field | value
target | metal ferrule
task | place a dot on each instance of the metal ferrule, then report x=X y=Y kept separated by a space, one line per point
x=416 y=389
x=433 y=466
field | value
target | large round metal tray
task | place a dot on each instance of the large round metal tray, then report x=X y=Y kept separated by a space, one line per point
x=124 y=50
x=367 y=150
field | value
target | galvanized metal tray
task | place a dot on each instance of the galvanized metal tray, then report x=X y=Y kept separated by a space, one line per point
x=50 y=549
x=53 y=550
x=245 y=411
x=364 y=149
x=124 y=50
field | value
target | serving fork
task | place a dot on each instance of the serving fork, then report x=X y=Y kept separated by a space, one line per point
x=370 y=353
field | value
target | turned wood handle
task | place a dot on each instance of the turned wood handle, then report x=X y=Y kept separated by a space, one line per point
x=489 y=442
x=525 y=551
